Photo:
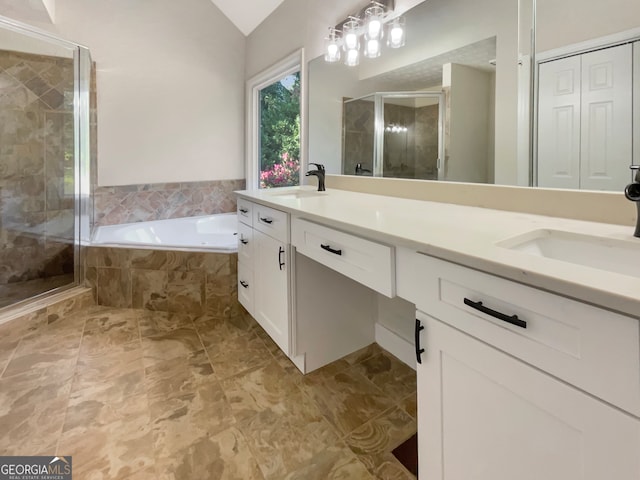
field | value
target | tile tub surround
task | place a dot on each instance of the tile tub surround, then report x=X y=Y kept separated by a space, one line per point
x=163 y=280
x=148 y=395
x=159 y=201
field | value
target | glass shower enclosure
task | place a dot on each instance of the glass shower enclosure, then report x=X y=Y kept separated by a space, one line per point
x=394 y=134
x=44 y=162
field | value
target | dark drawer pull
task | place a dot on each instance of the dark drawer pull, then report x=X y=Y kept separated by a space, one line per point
x=513 y=319
x=329 y=249
x=266 y=220
x=244 y=284
x=244 y=210
x=419 y=351
x=280 y=253
x=243 y=241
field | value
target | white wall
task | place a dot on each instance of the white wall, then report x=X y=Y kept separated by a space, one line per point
x=566 y=22
x=469 y=116
x=170 y=78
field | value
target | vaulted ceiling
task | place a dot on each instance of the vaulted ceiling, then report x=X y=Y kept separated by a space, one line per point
x=247 y=14
x=29 y=10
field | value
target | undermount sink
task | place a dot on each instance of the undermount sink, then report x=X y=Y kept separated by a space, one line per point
x=297 y=194
x=618 y=256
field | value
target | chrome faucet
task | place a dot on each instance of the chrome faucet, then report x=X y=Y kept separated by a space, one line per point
x=632 y=192
x=319 y=172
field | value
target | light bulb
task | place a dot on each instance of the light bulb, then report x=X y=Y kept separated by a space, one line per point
x=352 y=58
x=333 y=53
x=351 y=41
x=351 y=35
x=373 y=49
x=396 y=33
x=332 y=46
x=374 y=29
x=373 y=22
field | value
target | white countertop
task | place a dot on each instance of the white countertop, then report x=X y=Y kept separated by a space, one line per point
x=468 y=236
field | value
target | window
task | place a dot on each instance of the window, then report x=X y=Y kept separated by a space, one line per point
x=280 y=133
x=273 y=153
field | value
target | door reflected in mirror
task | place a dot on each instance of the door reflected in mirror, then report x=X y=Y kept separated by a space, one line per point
x=587 y=94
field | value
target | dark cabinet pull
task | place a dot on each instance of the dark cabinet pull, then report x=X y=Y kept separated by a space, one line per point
x=512 y=319
x=280 y=252
x=266 y=220
x=244 y=284
x=244 y=210
x=419 y=351
x=329 y=249
x=243 y=241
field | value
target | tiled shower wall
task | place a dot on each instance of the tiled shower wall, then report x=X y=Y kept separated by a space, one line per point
x=36 y=167
x=411 y=154
x=139 y=203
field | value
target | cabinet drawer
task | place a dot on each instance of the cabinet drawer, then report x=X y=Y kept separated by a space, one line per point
x=593 y=349
x=245 y=211
x=369 y=263
x=270 y=221
x=245 y=286
x=245 y=243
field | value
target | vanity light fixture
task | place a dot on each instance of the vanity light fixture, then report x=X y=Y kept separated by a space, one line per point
x=366 y=27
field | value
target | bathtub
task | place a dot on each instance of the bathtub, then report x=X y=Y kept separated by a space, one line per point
x=208 y=233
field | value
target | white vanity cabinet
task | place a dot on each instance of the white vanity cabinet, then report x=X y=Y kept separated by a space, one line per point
x=515 y=382
x=263 y=268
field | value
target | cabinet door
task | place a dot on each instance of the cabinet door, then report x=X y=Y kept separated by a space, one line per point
x=246 y=286
x=483 y=415
x=271 y=279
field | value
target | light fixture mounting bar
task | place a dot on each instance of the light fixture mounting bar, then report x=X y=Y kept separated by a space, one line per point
x=387 y=5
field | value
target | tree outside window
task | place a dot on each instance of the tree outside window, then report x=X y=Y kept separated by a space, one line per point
x=280 y=133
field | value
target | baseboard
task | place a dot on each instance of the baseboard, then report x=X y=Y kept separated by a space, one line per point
x=396 y=345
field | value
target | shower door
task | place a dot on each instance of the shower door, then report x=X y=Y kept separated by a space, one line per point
x=411 y=135
x=43 y=104
x=394 y=134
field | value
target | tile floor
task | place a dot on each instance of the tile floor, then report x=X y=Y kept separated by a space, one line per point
x=136 y=394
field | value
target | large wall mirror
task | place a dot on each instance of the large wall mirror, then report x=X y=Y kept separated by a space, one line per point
x=472 y=97
x=586 y=120
x=443 y=107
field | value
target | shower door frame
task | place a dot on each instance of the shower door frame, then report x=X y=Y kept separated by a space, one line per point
x=82 y=148
x=378 y=148
x=378 y=134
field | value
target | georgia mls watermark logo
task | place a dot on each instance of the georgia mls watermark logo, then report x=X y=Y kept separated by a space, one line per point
x=35 y=468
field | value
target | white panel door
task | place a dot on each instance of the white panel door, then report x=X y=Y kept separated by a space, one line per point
x=559 y=124
x=484 y=415
x=606 y=118
x=271 y=301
